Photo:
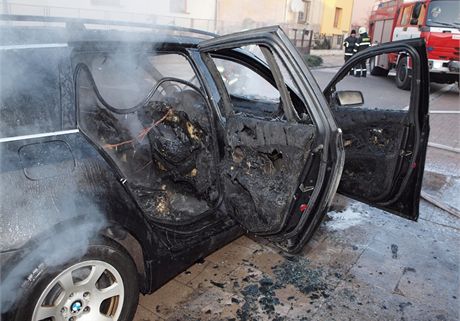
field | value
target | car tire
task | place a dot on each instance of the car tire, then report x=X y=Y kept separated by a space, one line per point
x=403 y=76
x=377 y=71
x=105 y=270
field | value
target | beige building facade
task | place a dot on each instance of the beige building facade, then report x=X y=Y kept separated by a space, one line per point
x=187 y=13
x=361 y=12
x=329 y=20
x=336 y=17
x=290 y=13
x=301 y=19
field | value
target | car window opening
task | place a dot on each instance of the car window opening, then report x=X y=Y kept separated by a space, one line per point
x=162 y=146
x=255 y=94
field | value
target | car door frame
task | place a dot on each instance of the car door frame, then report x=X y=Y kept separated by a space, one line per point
x=418 y=114
x=329 y=136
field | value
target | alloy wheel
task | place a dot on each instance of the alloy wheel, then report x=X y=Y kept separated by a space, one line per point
x=86 y=291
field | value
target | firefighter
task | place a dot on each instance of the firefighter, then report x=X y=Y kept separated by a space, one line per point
x=349 y=45
x=363 y=42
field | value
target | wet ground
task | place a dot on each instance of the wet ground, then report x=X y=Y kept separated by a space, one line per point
x=362 y=264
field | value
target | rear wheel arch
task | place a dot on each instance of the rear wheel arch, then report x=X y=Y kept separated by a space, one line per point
x=132 y=246
x=32 y=266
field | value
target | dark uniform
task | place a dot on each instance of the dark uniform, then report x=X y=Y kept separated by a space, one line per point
x=363 y=42
x=349 y=45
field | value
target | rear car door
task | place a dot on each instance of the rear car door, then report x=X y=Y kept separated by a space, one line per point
x=283 y=155
x=385 y=149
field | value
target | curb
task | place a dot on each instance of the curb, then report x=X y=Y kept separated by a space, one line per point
x=325 y=67
x=433 y=184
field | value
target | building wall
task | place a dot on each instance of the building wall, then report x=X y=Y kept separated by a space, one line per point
x=252 y=12
x=231 y=15
x=316 y=15
x=111 y=9
x=313 y=16
x=221 y=16
x=329 y=13
x=361 y=12
x=255 y=13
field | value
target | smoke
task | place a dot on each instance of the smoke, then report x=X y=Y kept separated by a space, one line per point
x=47 y=201
x=48 y=210
x=30 y=95
x=52 y=198
x=51 y=252
x=45 y=188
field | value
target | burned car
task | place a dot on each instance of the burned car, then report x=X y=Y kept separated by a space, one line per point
x=131 y=151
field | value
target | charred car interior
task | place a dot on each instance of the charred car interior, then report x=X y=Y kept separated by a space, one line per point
x=152 y=148
x=155 y=127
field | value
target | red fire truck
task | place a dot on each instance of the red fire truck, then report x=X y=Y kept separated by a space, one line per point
x=437 y=21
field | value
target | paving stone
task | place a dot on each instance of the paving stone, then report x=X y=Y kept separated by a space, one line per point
x=142 y=314
x=165 y=301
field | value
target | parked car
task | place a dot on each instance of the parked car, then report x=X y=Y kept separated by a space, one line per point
x=130 y=151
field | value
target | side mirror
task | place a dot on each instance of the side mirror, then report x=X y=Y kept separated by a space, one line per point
x=349 y=98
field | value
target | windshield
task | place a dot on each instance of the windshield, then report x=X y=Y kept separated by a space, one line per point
x=443 y=13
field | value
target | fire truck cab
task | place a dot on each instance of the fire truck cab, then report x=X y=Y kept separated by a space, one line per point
x=436 y=21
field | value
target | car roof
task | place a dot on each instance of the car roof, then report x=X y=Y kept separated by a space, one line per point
x=20 y=30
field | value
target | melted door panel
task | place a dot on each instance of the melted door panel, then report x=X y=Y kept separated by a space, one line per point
x=261 y=169
x=283 y=155
x=373 y=140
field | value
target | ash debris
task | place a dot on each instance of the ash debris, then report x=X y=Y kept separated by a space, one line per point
x=297 y=271
x=260 y=295
x=288 y=289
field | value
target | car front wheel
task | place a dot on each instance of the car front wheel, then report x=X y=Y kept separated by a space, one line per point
x=101 y=286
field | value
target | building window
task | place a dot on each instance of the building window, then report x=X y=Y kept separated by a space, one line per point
x=178 y=6
x=302 y=16
x=338 y=17
x=111 y=3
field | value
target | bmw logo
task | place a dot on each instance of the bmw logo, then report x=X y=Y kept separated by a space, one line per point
x=76 y=307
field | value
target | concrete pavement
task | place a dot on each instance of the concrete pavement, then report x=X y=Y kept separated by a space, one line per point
x=331 y=61
x=363 y=264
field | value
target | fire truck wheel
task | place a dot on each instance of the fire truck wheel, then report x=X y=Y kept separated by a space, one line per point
x=377 y=71
x=403 y=78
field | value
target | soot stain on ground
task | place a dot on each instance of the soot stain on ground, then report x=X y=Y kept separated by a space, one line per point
x=260 y=296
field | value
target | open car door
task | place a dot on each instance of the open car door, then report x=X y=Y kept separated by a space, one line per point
x=385 y=149
x=283 y=153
